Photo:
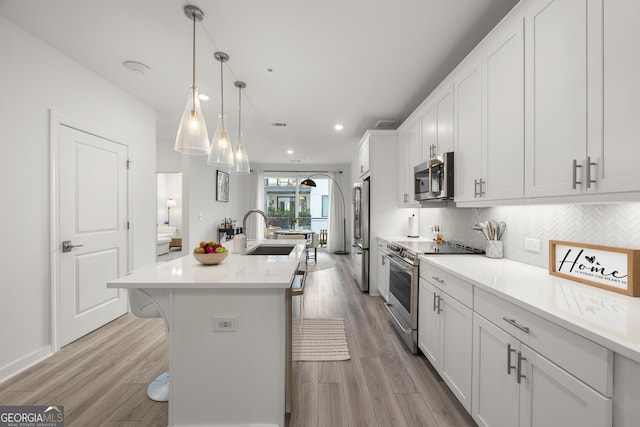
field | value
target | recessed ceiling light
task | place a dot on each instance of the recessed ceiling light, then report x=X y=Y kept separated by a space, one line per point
x=338 y=127
x=203 y=97
x=289 y=151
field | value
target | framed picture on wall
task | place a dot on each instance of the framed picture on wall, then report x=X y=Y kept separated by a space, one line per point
x=222 y=186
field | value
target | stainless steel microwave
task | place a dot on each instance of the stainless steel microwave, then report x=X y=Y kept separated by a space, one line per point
x=434 y=179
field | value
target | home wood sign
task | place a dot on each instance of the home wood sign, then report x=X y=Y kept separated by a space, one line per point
x=614 y=269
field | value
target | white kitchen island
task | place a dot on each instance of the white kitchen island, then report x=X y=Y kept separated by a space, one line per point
x=226 y=331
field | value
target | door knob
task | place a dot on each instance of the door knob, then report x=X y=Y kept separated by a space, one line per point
x=67 y=246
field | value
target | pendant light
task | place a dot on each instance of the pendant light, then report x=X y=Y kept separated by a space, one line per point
x=221 y=154
x=240 y=159
x=192 y=135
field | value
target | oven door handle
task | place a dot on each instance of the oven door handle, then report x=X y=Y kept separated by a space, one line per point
x=388 y=307
x=394 y=260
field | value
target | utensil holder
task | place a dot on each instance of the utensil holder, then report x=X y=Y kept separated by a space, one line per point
x=494 y=249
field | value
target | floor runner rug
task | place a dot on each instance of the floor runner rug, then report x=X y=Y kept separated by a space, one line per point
x=319 y=339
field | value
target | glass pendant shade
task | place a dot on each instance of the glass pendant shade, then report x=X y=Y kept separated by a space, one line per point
x=192 y=133
x=221 y=153
x=240 y=159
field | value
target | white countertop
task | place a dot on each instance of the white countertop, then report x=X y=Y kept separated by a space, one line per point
x=607 y=318
x=236 y=271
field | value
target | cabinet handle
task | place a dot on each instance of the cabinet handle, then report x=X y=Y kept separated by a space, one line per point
x=509 y=366
x=482 y=183
x=439 y=310
x=588 y=172
x=514 y=323
x=439 y=280
x=404 y=330
x=406 y=197
x=435 y=298
x=475 y=188
x=519 y=373
x=575 y=174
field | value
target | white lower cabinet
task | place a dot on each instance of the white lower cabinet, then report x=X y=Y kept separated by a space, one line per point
x=444 y=336
x=495 y=392
x=550 y=396
x=513 y=385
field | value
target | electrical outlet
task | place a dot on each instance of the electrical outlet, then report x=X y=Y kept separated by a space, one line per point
x=531 y=244
x=225 y=324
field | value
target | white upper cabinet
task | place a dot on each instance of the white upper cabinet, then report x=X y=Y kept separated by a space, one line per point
x=544 y=107
x=408 y=157
x=363 y=156
x=489 y=119
x=468 y=130
x=436 y=122
x=503 y=63
x=558 y=73
x=616 y=157
x=582 y=120
x=444 y=119
x=428 y=129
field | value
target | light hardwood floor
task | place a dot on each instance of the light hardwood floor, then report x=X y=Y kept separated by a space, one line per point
x=101 y=379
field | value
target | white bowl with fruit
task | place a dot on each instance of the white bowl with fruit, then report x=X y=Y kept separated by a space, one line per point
x=210 y=253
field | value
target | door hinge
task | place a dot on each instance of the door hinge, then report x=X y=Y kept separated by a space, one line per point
x=129 y=164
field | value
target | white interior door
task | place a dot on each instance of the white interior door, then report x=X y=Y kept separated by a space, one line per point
x=92 y=216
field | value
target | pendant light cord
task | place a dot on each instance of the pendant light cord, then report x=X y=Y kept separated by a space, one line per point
x=239 y=112
x=221 y=89
x=193 y=84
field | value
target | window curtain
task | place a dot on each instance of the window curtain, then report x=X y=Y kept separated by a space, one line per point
x=335 y=234
x=255 y=222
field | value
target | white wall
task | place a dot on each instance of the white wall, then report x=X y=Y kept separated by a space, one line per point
x=35 y=78
x=202 y=214
x=168 y=159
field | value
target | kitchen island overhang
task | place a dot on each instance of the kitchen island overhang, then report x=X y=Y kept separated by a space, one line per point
x=231 y=375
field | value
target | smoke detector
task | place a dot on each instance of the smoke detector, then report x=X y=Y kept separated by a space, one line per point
x=387 y=124
x=136 y=67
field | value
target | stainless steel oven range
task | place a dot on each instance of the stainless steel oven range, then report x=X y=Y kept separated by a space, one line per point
x=403 y=282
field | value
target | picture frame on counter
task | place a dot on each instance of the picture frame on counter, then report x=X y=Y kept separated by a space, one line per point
x=610 y=268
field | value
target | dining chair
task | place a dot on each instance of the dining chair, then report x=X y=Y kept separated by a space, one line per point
x=313 y=243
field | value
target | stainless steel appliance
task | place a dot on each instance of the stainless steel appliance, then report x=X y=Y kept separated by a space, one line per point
x=403 y=283
x=434 y=179
x=361 y=234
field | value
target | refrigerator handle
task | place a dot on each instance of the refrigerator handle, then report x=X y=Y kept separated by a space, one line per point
x=364 y=213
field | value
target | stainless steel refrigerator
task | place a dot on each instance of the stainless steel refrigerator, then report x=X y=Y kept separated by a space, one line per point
x=361 y=234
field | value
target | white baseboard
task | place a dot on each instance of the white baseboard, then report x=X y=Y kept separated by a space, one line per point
x=13 y=369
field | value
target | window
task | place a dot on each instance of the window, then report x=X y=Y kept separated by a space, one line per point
x=325 y=205
x=290 y=207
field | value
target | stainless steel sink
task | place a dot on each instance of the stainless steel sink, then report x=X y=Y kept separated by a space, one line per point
x=270 y=250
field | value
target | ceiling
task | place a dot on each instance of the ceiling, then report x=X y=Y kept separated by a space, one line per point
x=309 y=64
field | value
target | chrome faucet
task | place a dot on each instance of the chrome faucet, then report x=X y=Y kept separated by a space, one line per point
x=244 y=221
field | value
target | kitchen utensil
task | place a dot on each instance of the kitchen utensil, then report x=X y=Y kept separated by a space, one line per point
x=501 y=227
x=482 y=226
x=492 y=230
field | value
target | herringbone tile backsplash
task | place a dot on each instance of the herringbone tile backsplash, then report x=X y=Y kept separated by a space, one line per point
x=616 y=224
